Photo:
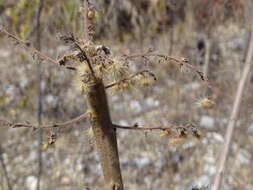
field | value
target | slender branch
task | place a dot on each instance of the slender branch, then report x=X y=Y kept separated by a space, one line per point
x=64 y=124
x=180 y=61
x=136 y=127
x=233 y=116
x=28 y=46
x=130 y=77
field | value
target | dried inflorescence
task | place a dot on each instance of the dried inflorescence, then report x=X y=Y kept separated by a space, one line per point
x=96 y=61
x=205 y=103
x=93 y=61
x=178 y=134
x=51 y=139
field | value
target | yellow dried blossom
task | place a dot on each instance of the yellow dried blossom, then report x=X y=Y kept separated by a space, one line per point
x=165 y=133
x=175 y=141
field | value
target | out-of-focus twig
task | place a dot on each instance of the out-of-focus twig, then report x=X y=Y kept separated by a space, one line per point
x=37 y=44
x=208 y=44
x=64 y=124
x=6 y=175
x=233 y=116
x=86 y=22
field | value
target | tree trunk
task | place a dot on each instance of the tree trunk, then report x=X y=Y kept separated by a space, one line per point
x=104 y=135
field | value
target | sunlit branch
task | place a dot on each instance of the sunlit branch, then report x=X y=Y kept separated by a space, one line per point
x=56 y=125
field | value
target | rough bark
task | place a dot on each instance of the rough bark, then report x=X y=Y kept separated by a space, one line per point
x=104 y=135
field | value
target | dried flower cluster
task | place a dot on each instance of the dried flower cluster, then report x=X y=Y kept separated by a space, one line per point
x=205 y=103
x=96 y=61
x=178 y=134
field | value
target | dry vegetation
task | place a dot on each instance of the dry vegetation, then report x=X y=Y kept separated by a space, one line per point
x=212 y=35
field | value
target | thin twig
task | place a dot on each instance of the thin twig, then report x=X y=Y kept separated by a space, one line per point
x=180 y=61
x=56 y=125
x=130 y=77
x=28 y=46
x=233 y=117
x=136 y=127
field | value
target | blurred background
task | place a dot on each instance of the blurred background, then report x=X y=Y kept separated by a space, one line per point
x=212 y=34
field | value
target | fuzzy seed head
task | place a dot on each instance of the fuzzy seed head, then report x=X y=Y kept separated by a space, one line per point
x=44 y=146
x=165 y=133
x=82 y=68
x=79 y=85
x=119 y=70
x=124 y=85
x=175 y=141
x=144 y=80
x=90 y=132
x=205 y=103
